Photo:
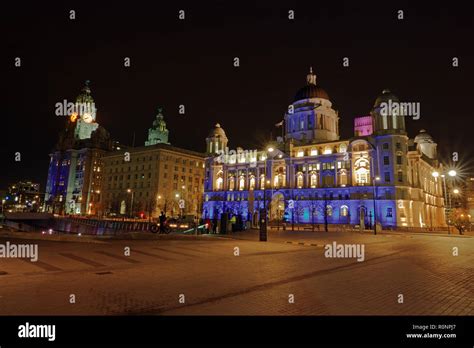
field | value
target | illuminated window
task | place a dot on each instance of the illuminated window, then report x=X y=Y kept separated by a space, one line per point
x=299 y=180
x=314 y=152
x=252 y=183
x=362 y=176
x=241 y=183
x=231 y=183
x=313 y=180
x=327 y=150
x=300 y=153
x=362 y=172
x=343 y=178
x=262 y=182
x=219 y=183
x=344 y=210
x=343 y=148
x=329 y=210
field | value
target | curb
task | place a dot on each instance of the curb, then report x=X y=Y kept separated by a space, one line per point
x=304 y=244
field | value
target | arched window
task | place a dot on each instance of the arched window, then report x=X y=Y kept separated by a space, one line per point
x=313 y=180
x=343 y=148
x=362 y=171
x=241 y=183
x=329 y=210
x=231 y=183
x=344 y=210
x=252 y=183
x=343 y=178
x=262 y=182
x=299 y=180
x=219 y=183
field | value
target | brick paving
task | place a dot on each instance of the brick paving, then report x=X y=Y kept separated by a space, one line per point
x=257 y=282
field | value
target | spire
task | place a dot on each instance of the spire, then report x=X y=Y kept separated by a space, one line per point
x=86 y=87
x=311 y=78
x=158 y=133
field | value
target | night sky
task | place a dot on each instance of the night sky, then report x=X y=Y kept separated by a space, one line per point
x=190 y=62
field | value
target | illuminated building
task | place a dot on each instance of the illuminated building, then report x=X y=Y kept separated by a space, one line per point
x=143 y=181
x=155 y=178
x=74 y=175
x=470 y=197
x=311 y=175
x=23 y=196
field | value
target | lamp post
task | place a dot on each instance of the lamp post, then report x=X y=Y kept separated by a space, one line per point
x=447 y=198
x=375 y=179
x=264 y=219
x=131 y=201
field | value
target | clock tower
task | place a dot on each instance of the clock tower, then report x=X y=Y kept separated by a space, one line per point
x=85 y=114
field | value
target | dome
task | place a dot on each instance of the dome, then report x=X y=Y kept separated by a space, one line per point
x=423 y=137
x=385 y=97
x=217 y=131
x=311 y=90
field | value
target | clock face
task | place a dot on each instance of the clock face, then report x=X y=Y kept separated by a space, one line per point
x=87 y=117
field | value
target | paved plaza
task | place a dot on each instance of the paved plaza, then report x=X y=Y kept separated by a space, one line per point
x=288 y=275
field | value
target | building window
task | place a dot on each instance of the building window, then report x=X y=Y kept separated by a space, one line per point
x=314 y=152
x=386 y=160
x=299 y=180
x=313 y=180
x=344 y=210
x=362 y=171
x=219 y=182
x=262 y=182
x=329 y=210
x=400 y=176
x=241 y=183
x=343 y=178
x=399 y=159
x=385 y=146
x=398 y=146
x=231 y=183
x=387 y=176
x=389 y=212
x=252 y=183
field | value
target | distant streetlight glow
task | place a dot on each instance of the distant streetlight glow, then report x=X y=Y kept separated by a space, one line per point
x=435 y=174
x=456 y=191
x=452 y=172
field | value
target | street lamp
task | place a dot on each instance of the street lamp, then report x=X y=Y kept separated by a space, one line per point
x=264 y=219
x=375 y=179
x=447 y=197
x=131 y=201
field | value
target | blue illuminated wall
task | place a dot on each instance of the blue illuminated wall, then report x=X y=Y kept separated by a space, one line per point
x=309 y=205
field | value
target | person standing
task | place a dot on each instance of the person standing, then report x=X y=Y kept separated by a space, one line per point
x=162 y=222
